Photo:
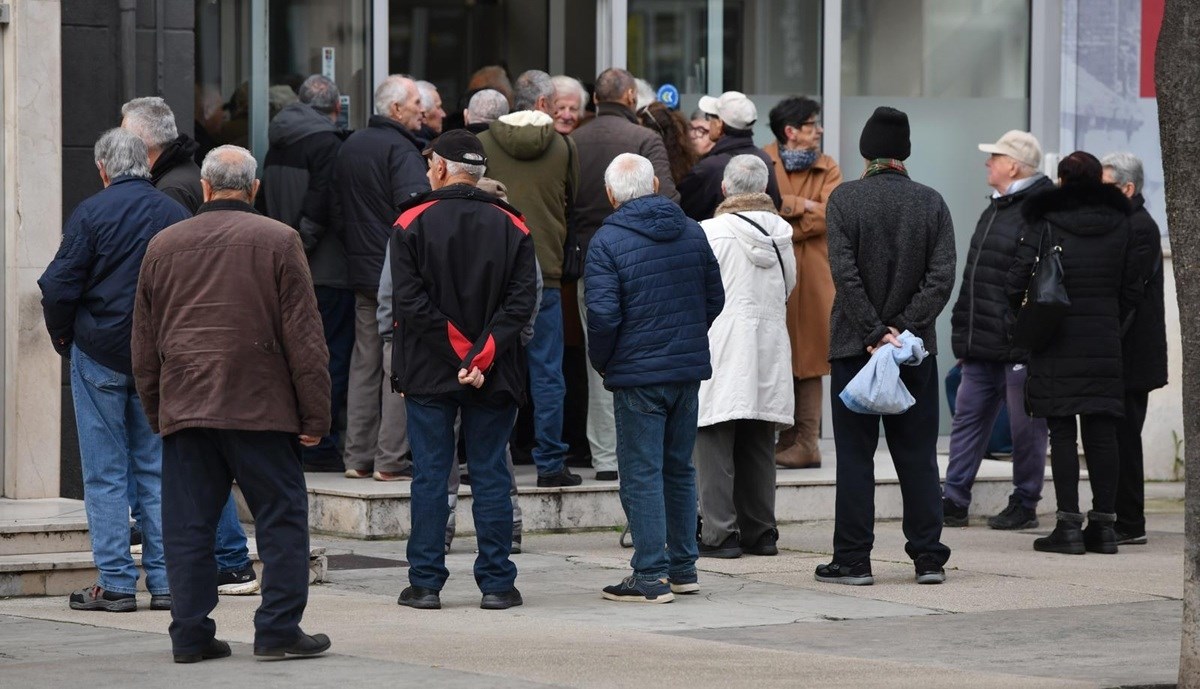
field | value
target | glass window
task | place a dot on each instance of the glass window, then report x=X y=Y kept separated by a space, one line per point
x=318 y=37
x=222 y=74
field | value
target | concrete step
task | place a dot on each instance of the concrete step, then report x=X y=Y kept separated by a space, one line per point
x=55 y=525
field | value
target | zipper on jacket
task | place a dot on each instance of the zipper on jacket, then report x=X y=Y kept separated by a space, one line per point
x=974 y=266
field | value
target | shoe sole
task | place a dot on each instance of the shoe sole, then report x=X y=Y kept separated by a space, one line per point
x=1060 y=551
x=1103 y=550
x=932 y=578
x=1031 y=524
x=197 y=657
x=723 y=554
x=500 y=606
x=421 y=604
x=769 y=551
x=663 y=598
x=1138 y=540
x=107 y=606
x=350 y=473
x=160 y=607
x=281 y=653
x=248 y=588
x=685 y=589
x=847 y=581
x=955 y=523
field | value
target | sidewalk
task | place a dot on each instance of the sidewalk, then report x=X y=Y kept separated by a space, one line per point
x=1007 y=617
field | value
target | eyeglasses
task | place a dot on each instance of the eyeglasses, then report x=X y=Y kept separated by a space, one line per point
x=810 y=123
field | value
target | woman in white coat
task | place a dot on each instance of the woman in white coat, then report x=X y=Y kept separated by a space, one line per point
x=750 y=394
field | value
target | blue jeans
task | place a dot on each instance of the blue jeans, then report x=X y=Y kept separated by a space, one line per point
x=233 y=552
x=656 y=432
x=547 y=386
x=485 y=428
x=117 y=448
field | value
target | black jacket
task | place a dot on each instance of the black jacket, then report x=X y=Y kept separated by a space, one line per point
x=1145 y=344
x=700 y=190
x=1079 y=372
x=177 y=175
x=296 y=187
x=464 y=284
x=981 y=319
x=377 y=171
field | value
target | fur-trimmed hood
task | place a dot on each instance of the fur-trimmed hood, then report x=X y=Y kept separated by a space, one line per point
x=1083 y=208
x=744 y=203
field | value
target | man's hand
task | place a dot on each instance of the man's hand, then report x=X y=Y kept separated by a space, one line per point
x=892 y=337
x=474 y=377
x=309 y=440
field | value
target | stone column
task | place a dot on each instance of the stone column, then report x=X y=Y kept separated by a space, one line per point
x=32 y=223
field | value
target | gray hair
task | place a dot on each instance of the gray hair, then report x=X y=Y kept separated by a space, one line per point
x=455 y=169
x=393 y=89
x=487 y=105
x=427 y=91
x=745 y=174
x=645 y=93
x=629 y=176
x=320 y=93
x=531 y=86
x=151 y=119
x=564 y=85
x=229 y=168
x=122 y=153
x=1126 y=168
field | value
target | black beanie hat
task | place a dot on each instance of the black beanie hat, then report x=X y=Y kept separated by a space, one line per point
x=885 y=135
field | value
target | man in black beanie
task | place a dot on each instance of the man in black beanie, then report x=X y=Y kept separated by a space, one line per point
x=891 y=251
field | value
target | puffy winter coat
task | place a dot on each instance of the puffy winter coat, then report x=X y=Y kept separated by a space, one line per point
x=982 y=317
x=751 y=354
x=1079 y=372
x=700 y=191
x=1145 y=344
x=652 y=289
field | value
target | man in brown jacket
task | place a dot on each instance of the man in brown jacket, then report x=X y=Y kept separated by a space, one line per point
x=230 y=362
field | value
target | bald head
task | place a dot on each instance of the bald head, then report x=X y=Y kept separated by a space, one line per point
x=228 y=173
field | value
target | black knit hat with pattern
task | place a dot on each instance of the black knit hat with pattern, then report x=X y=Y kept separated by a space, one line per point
x=885 y=135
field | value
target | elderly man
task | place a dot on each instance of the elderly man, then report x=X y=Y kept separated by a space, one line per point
x=730 y=121
x=992 y=371
x=431 y=104
x=87 y=299
x=458 y=323
x=232 y=370
x=1144 y=349
x=540 y=171
x=173 y=170
x=570 y=103
x=653 y=290
x=377 y=171
x=485 y=107
x=891 y=251
x=614 y=131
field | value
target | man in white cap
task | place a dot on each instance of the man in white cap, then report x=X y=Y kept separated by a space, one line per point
x=992 y=371
x=730 y=118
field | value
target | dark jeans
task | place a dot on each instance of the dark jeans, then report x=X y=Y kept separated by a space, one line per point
x=485 y=430
x=337 y=317
x=1131 y=496
x=912 y=441
x=199 y=466
x=1100 y=445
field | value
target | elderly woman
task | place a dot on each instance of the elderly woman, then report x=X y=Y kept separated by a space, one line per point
x=1078 y=375
x=806 y=178
x=570 y=101
x=750 y=393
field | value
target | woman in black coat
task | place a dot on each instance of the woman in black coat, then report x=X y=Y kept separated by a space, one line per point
x=1079 y=373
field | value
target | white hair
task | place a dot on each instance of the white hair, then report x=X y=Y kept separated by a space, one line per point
x=629 y=176
x=394 y=89
x=455 y=169
x=645 y=93
x=565 y=85
x=1126 y=168
x=531 y=86
x=229 y=168
x=151 y=119
x=319 y=93
x=745 y=174
x=487 y=105
x=428 y=91
x=122 y=153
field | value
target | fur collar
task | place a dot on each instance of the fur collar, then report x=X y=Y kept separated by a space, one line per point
x=1074 y=197
x=742 y=203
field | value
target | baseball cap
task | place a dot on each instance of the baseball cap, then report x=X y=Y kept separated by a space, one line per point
x=1021 y=146
x=458 y=146
x=734 y=108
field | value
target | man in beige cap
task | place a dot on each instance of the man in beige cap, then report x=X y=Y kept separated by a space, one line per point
x=992 y=371
x=730 y=119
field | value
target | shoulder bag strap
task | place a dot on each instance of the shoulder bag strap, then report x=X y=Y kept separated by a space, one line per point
x=773 y=246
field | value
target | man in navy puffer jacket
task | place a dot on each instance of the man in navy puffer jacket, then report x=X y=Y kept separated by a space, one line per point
x=653 y=287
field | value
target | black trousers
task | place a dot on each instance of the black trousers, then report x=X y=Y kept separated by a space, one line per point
x=1131 y=495
x=912 y=441
x=1099 y=435
x=199 y=465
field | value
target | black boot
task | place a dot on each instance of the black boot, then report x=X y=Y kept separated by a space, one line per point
x=1100 y=536
x=1067 y=537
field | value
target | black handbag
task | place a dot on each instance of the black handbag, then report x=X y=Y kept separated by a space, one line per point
x=1046 y=300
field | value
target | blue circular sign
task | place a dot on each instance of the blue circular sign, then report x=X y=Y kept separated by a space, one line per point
x=668 y=95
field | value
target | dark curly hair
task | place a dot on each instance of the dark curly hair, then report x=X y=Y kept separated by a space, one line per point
x=673 y=129
x=793 y=111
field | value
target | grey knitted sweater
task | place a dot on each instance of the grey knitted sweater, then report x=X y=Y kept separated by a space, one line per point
x=891 y=251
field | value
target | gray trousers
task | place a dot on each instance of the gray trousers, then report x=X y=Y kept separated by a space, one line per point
x=376 y=424
x=454 y=483
x=601 y=421
x=735 y=479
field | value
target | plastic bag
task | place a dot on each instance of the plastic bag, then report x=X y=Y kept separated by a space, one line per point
x=877 y=388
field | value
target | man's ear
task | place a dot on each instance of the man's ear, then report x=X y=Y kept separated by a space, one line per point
x=254 y=190
x=656 y=186
x=207 y=189
x=612 y=200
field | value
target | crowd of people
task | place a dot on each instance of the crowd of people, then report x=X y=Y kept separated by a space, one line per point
x=386 y=302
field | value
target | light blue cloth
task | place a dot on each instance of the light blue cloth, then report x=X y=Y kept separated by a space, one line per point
x=877 y=388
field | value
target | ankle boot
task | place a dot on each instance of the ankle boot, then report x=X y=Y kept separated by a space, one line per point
x=1067 y=537
x=1100 y=536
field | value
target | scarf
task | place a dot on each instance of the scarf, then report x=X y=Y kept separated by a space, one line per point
x=880 y=165
x=799 y=159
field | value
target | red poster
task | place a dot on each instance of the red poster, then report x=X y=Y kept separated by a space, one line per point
x=1152 y=15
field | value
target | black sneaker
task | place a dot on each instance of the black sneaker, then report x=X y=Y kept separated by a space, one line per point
x=215 y=649
x=240 y=583
x=1015 y=516
x=953 y=515
x=562 y=479
x=306 y=645
x=1130 y=538
x=606 y=475
x=96 y=598
x=727 y=550
x=684 y=583
x=420 y=598
x=161 y=601
x=501 y=601
x=929 y=571
x=1066 y=538
x=765 y=545
x=633 y=590
x=856 y=574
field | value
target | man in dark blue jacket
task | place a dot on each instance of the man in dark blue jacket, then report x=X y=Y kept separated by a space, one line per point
x=87 y=298
x=653 y=287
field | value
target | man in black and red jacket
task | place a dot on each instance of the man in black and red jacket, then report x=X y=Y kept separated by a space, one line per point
x=464 y=285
